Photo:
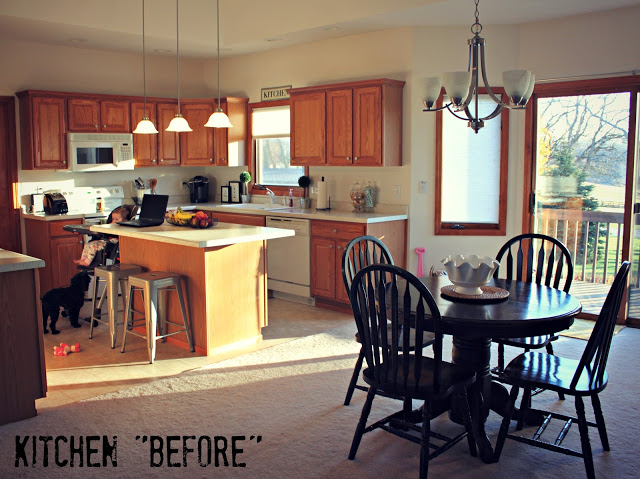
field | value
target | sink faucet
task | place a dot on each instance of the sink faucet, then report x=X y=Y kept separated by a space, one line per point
x=272 y=195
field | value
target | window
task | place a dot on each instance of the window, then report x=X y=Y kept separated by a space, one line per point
x=471 y=173
x=271 y=146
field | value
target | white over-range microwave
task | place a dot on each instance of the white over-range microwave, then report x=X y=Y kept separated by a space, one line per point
x=100 y=151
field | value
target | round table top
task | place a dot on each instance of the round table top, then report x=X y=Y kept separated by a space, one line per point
x=530 y=310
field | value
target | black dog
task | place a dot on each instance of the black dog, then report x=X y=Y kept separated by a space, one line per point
x=70 y=298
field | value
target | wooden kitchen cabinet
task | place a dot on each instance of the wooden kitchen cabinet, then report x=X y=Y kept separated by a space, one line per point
x=230 y=144
x=168 y=141
x=196 y=147
x=238 y=218
x=42 y=131
x=98 y=115
x=328 y=242
x=347 y=124
x=145 y=147
x=58 y=248
x=308 y=128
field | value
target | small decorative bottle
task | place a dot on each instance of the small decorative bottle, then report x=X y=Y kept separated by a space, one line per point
x=369 y=197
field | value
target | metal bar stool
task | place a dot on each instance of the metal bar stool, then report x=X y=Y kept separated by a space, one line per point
x=113 y=275
x=150 y=285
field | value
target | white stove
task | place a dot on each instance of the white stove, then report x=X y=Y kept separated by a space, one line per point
x=84 y=199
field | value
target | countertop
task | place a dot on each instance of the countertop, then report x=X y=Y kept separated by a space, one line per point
x=11 y=261
x=223 y=234
x=392 y=213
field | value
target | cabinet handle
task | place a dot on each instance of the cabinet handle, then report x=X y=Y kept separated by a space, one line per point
x=80 y=241
x=104 y=126
x=330 y=246
x=355 y=158
x=223 y=160
x=335 y=231
x=154 y=160
x=161 y=160
x=348 y=158
x=339 y=247
x=210 y=160
x=95 y=126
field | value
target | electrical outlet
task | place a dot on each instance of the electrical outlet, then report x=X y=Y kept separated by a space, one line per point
x=397 y=191
x=423 y=187
x=314 y=189
x=183 y=185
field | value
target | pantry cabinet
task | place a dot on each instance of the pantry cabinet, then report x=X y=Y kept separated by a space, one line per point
x=42 y=131
x=347 y=124
x=58 y=248
x=96 y=115
x=328 y=242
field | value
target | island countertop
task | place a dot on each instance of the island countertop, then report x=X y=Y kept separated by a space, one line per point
x=222 y=234
x=12 y=261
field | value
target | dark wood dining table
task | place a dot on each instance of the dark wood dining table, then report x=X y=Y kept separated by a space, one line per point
x=530 y=310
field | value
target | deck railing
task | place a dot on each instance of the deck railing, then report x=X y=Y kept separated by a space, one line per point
x=594 y=239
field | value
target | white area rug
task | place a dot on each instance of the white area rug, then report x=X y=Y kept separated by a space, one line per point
x=291 y=395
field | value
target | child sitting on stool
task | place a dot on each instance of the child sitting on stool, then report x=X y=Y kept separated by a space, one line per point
x=91 y=248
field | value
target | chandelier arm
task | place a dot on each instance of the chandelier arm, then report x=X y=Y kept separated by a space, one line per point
x=468 y=118
x=438 y=109
x=493 y=96
x=494 y=113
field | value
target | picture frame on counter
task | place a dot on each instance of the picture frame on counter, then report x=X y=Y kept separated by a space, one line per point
x=224 y=194
x=235 y=190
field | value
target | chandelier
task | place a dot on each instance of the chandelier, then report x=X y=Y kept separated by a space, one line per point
x=462 y=87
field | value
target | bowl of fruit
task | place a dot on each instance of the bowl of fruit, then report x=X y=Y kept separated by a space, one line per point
x=179 y=217
x=202 y=220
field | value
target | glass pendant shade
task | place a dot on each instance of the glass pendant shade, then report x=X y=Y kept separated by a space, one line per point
x=432 y=87
x=529 y=92
x=218 y=119
x=516 y=83
x=457 y=84
x=145 y=127
x=179 y=124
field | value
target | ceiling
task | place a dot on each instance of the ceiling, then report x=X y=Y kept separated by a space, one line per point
x=248 y=26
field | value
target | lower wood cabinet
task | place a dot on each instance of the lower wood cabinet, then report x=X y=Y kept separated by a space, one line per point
x=328 y=241
x=58 y=248
x=238 y=218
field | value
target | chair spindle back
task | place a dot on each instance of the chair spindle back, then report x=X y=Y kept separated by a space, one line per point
x=360 y=252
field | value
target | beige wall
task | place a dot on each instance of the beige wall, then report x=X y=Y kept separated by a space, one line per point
x=583 y=45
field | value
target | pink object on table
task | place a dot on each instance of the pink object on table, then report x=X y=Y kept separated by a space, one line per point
x=420 y=252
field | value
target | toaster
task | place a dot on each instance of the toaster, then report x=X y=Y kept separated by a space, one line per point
x=55 y=204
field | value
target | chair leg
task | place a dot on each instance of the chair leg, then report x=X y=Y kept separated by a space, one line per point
x=584 y=438
x=366 y=409
x=468 y=424
x=602 y=429
x=504 y=427
x=500 y=357
x=524 y=405
x=424 y=440
x=354 y=377
x=550 y=351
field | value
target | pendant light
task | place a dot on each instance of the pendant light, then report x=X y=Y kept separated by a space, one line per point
x=179 y=123
x=146 y=126
x=218 y=118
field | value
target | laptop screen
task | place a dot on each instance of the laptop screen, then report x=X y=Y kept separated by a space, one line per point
x=153 y=207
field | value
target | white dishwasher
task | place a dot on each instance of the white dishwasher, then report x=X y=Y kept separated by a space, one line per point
x=288 y=259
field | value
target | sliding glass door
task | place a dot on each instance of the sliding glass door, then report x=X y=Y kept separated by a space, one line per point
x=582 y=156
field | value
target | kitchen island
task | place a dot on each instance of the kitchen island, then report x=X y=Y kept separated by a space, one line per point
x=225 y=272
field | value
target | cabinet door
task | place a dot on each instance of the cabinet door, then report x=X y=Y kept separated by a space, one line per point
x=49 y=143
x=145 y=147
x=341 y=291
x=83 y=114
x=308 y=129
x=196 y=147
x=63 y=251
x=339 y=127
x=168 y=142
x=323 y=267
x=114 y=116
x=367 y=126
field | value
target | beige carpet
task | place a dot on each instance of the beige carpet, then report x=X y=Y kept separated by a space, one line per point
x=291 y=395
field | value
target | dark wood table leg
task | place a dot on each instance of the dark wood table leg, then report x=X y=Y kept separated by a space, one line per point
x=476 y=354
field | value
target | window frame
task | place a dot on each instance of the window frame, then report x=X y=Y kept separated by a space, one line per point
x=474 y=229
x=277 y=189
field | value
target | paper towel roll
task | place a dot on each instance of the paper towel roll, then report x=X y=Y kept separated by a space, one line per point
x=322 y=195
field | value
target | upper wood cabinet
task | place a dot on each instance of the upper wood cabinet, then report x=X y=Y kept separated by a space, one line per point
x=42 y=131
x=168 y=141
x=196 y=147
x=88 y=114
x=230 y=143
x=358 y=123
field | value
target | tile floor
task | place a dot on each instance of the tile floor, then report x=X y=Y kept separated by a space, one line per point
x=98 y=369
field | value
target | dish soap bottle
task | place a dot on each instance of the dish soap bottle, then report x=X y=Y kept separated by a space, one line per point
x=290 y=197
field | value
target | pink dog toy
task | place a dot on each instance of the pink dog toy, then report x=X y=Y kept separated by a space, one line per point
x=420 y=252
x=65 y=349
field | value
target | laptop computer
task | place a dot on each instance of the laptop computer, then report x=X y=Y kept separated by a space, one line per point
x=152 y=212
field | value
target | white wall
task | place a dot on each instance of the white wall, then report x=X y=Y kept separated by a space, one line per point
x=582 y=45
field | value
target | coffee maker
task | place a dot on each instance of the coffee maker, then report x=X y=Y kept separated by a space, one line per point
x=198 y=189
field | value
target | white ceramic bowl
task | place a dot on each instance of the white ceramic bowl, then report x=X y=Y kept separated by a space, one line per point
x=469 y=272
